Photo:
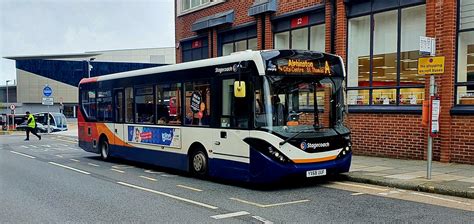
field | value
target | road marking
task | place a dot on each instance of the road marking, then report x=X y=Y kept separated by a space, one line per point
x=47 y=146
x=167 y=175
x=122 y=166
x=361 y=186
x=269 y=205
x=67 y=167
x=34 y=146
x=65 y=140
x=24 y=146
x=169 y=195
x=439 y=198
x=21 y=154
x=190 y=188
x=60 y=156
x=358 y=193
x=75 y=160
x=230 y=215
x=120 y=171
x=472 y=187
x=262 y=220
x=92 y=164
x=151 y=171
x=149 y=178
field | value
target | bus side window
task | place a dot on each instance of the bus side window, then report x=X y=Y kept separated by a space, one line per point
x=129 y=105
x=168 y=103
x=234 y=109
x=198 y=99
x=144 y=105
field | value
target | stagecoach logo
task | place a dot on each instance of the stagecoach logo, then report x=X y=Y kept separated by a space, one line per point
x=305 y=145
x=227 y=69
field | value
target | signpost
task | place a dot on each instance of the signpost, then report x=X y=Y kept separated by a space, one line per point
x=48 y=100
x=431 y=66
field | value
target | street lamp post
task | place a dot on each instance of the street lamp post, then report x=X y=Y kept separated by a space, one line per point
x=89 y=67
x=7 y=89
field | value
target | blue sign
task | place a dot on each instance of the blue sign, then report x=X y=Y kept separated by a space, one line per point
x=47 y=91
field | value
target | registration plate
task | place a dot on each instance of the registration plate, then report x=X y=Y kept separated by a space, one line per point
x=315 y=173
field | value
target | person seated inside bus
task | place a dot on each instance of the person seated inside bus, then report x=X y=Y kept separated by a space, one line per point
x=162 y=120
x=162 y=112
x=189 y=118
x=278 y=111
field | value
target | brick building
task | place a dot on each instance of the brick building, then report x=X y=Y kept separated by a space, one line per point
x=379 y=42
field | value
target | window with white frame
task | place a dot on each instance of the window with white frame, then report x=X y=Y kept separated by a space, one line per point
x=379 y=73
x=465 y=69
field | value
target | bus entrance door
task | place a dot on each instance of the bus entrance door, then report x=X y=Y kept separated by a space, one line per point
x=119 y=116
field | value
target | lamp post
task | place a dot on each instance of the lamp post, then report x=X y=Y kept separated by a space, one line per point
x=7 y=89
x=89 y=67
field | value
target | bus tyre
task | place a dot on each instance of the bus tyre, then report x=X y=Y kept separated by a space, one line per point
x=104 y=149
x=199 y=163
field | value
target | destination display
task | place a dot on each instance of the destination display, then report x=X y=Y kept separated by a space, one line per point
x=299 y=67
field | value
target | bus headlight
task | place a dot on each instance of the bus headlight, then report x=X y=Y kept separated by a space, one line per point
x=267 y=149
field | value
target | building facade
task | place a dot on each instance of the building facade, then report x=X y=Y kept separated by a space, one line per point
x=62 y=74
x=379 y=43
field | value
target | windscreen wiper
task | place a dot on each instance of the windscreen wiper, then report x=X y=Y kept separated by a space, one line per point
x=292 y=137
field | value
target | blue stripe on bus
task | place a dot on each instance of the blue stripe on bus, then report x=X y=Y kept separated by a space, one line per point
x=261 y=169
x=154 y=157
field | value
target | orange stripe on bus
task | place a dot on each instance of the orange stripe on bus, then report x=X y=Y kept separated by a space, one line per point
x=103 y=129
x=314 y=160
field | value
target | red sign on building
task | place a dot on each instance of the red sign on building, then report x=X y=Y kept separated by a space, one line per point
x=197 y=43
x=299 y=21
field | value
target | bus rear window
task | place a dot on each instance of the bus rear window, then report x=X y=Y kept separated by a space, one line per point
x=89 y=105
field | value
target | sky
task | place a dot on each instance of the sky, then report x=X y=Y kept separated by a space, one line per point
x=38 y=27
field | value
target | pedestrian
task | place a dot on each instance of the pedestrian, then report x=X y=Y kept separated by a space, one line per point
x=31 y=126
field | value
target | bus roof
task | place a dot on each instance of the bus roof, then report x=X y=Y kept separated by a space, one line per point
x=247 y=55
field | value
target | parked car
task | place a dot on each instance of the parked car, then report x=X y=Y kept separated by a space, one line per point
x=57 y=122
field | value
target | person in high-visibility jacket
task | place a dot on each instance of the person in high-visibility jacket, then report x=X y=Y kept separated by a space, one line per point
x=31 y=126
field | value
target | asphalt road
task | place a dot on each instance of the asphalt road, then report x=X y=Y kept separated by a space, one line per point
x=53 y=180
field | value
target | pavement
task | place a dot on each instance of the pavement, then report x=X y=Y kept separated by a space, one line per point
x=446 y=178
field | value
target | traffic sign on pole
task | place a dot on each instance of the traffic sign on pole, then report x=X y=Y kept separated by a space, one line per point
x=47 y=91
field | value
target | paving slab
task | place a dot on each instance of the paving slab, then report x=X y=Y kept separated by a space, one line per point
x=446 y=178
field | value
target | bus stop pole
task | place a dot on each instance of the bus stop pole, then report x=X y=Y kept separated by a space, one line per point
x=430 y=139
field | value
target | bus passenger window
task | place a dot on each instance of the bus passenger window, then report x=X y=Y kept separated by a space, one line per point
x=198 y=99
x=144 y=105
x=168 y=104
x=104 y=106
x=89 y=104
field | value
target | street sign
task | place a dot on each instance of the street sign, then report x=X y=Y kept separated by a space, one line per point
x=431 y=65
x=47 y=101
x=12 y=107
x=47 y=91
x=427 y=46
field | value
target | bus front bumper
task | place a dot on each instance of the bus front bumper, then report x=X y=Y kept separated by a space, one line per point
x=264 y=169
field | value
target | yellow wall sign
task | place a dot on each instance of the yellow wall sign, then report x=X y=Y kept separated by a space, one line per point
x=431 y=65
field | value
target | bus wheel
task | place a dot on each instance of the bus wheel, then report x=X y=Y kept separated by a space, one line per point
x=104 y=149
x=199 y=163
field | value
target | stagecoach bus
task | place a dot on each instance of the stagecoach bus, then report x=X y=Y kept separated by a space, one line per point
x=253 y=116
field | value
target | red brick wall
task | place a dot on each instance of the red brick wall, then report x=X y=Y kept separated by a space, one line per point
x=462 y=133
x=388 y=135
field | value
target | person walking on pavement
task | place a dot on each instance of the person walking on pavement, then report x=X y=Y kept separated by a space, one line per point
x=31 y=126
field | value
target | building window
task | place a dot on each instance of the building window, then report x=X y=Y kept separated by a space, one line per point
x=465 y=68
x=190 y=4
x=144 y=105
x=198 y=100
x=168 y=104
x=195 y=49
x=307 y=38
x=238 y=40
x=304 y=32
x=379 y=73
